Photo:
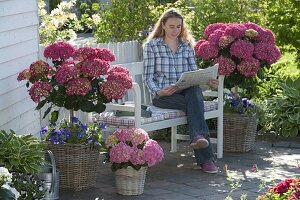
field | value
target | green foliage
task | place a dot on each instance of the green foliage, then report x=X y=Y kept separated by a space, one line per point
x=118 y=21
x=23 y=153
x=282 y=112
x=60 y=24
x=283 y=18
x=226 y=11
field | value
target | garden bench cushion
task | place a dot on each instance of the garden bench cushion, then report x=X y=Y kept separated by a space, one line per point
x=158 y=114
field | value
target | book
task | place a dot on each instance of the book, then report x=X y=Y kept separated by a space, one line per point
x=198 y=77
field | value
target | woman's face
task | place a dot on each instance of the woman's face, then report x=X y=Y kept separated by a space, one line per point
x=172 y=27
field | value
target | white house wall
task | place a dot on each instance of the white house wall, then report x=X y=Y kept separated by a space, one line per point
x=18 y=49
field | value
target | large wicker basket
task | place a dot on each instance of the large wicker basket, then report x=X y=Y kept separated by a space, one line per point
x=77 y=165
x=130 y=181
x=239 y=132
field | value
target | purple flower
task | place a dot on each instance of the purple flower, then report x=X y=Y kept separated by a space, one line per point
x=242 y=49
x=75 y=119
x=208 y=50
x=235 y=30
x=44 y=130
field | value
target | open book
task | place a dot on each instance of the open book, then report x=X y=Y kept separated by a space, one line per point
x=197 y=78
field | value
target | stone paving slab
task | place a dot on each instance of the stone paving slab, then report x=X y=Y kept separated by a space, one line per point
x=176 y=177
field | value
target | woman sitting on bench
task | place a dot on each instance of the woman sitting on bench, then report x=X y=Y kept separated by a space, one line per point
x=168 y=53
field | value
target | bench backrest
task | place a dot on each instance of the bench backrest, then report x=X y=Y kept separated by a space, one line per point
x=136 y=70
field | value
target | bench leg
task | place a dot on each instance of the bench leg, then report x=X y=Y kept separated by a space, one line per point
x=173 y=139
x=220 y=137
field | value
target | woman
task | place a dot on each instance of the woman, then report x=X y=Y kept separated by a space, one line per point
x=168 y=53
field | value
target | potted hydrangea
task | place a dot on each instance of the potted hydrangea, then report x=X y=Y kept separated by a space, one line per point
x=77 y=79
x=131 y=152
x=242 y=51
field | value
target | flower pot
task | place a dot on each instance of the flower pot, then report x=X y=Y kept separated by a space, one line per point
x=77 y=165
x=130 y=181
x=239 y=132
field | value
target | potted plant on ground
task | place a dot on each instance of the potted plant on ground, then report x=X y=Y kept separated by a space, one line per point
x=240 y=122
x=76 y=148
x=131 y=152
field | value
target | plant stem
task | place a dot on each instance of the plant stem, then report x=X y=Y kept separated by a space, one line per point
x=71 y=115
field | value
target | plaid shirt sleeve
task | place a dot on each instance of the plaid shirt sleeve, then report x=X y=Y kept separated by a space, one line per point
x=149 y=69
x=191 y=60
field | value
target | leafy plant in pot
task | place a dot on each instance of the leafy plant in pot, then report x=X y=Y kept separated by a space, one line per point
x=78 y=79
x=23 y=156
x=131 y=151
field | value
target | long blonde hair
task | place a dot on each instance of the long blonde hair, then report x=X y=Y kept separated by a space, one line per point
x=158 y=31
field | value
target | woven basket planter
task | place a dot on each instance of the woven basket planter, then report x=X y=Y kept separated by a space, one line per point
x=130 y=181
x=239 y=132
x=77 y=165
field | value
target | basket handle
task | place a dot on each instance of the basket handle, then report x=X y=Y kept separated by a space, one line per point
x=50 y=154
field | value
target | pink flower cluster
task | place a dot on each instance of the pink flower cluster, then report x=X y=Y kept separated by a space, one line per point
x=287 y=189
x=241 y=47
x=133 y=146
x=84 y=72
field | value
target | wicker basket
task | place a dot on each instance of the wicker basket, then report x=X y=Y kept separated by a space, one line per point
x=77 y=165
x=130 y=181
x=239 y=132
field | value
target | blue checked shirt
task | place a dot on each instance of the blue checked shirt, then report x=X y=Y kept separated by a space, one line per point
x=162 y=67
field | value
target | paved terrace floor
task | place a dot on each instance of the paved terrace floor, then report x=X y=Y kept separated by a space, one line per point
x=176 y=178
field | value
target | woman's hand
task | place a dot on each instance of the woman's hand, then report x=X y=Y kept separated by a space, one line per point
x=167 y=91
x=213 y=83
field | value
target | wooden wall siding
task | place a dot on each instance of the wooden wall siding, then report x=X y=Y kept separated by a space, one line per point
x=18 y=49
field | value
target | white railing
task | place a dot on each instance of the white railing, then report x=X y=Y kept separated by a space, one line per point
x=125 y=52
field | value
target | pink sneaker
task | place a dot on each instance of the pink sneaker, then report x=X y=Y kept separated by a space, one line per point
x=199 y=142
x=209 y=167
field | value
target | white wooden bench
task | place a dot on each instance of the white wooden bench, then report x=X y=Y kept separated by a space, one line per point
x=164 y=118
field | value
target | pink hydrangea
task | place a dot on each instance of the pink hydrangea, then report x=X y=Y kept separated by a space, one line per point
x=207 y=50
x=198 y=43
x=123 y=135
x=38 y=90
x=39 y=68
x=215 y=37
x=242 y=49
x=120 y=153
x=85 y=53
x=24 y=75
x=226 y=65
x=235 y=30
x=251 y=25
x=139 y=136
x=266 y=36
x=267 y=52
x=94 y=68
x=79 y=86
x=118 y=69
x=67 y=71
x=153 y=153
x=137 y=157
x=249 y=67
x=105 y=54
x=59 y=51
x=212 y=27
x=112 y=89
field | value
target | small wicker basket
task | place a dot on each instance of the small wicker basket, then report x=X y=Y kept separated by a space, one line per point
x=77 y=165
x=239 y=132
x=130 y=181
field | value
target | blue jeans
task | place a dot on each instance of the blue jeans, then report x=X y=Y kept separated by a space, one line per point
x=191 y=102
